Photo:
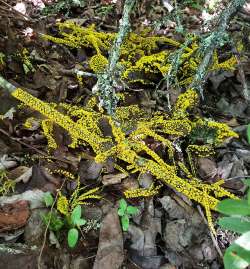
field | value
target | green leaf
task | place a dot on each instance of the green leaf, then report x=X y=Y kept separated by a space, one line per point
x=232 y=260
x=122 y=204
x=248 y=197
x=234 y=207
x=237 y=256
x=72 y=237
x=54 y=221
x=248 y=133
x=247 y=182
x=132 y=210
x=122 y=207
x=238 y=225
x=48 y=199
x=125 y=223
x=76 y=214
x=120 y=212
x=81 y=222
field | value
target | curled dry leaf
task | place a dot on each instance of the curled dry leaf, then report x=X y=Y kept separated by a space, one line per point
x=13 y=216
x=113 y=179
x=21 y=173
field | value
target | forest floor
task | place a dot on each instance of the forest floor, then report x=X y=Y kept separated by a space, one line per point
x=170 y=230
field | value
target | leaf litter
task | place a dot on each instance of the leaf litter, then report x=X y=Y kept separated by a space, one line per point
x=169 y=233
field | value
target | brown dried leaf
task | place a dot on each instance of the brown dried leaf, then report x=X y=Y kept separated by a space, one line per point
x=13 y=216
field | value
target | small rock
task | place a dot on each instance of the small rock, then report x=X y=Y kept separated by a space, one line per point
x=208 y=251
x=181 y=234
x=196 y=253
x=173 y=210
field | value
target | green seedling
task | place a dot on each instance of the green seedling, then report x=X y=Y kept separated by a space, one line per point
x=237 y=255
x=48 y=199
x=125 y=212
x=75 y=222
x=72 y=222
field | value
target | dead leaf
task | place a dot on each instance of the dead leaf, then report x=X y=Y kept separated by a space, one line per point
x=20 y=173
x=110 y=248
x=25 y=177
x=143 y=251
x=207 y=168
x=35 y=198
x=13 y=216
x=6 y=162
x=113 y=179
x=9 y=114
x=40 y=180
x=130 y=183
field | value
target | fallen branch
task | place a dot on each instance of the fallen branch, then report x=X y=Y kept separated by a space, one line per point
x=106 y=80
x=213 y=41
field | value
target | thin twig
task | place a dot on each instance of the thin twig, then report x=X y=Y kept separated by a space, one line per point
x=16 y=11
x=47 y=227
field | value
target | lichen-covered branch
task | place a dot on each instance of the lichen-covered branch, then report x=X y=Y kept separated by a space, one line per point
x=6 y=85
x=105 y=83
x=213 y=41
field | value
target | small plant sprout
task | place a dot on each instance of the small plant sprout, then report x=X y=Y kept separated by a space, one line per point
x=237 y=255
x=48 y=199
x=76 y=221
x=72 y=221
x=125 y=212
